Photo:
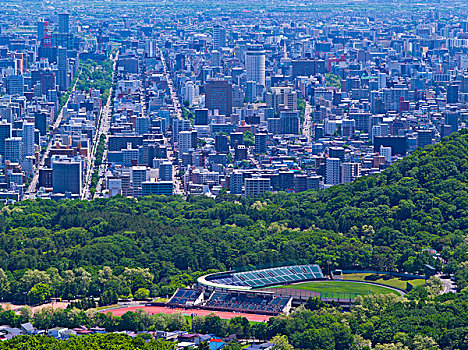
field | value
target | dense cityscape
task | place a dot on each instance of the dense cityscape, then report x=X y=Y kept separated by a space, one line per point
x=272 y=175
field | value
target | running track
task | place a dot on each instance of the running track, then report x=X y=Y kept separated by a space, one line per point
x=165 y=310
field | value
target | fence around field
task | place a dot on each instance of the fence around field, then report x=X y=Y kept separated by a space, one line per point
x=306 y=294
x=394 y=274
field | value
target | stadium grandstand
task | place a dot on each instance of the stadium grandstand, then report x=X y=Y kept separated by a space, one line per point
x=186 y=297
x=239 y=301
x=247 y=280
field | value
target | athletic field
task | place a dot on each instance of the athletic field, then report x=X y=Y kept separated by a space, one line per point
x=341 y=290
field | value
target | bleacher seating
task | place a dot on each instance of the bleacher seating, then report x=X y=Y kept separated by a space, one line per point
x=244 y=302
x=184 y=297
x=270 y=277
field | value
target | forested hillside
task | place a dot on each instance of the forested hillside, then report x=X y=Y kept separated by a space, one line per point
x=379 y=222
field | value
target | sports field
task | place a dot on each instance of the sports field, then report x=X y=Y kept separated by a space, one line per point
x=343 y=290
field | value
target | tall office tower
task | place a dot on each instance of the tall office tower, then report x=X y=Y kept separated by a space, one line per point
x=14 y=85
x=424 y=138
x=281 y=97
x=165 y=171
x=201 y=116
x=138 y=177
x=255 y=64
x=221 y=143
x=256 y=186
x=66 y=176
x=451 y=119
x=350 y=172
x=219 y=37
x=178 y=126
x=452 y=93
x=215 y=58
x=185 y=142
x=289 y=122
x=261 y=143
x=333 y=171
x=5 y=133
x=386 y=152
x=62 y=67
x=14 y=149
x=218 y=95
x=251 y=92
x=382 y=80
x=41 y=31
x=64 y=23
x=236 y=182
x=47 y=82
x=142 y=125
x=28 y=139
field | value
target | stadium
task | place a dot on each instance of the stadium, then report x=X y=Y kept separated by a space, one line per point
x=270 y=291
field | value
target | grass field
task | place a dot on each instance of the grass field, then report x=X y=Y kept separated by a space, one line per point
x=383 y=279
x=343 y=290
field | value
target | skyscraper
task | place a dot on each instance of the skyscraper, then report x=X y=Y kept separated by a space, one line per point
x=218 y=95
x=5 y=133
x=14 y=149
x=236 y=182
x=64 y=23
x=255 y=64
x=219 y=37
x=14 y=85
x=28 y=139
x=62 y=67
x=261 y=143
x=66 y=176
x=333 y=171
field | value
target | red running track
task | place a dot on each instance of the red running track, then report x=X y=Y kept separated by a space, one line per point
x=165 y=310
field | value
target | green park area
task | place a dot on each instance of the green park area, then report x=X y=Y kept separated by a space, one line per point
x=396 y=282
x=340 y=289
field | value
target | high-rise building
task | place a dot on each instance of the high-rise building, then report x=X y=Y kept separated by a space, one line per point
x=255 y=64
x=219 y=37
x=218 y=96
x=185 y=142
x=14 y=85
x=14 y=149
x=386 y=152
x=451 y=119
x=221 y=143
x=28 y=139
x=66 y=176
x=261 y=140
x=350 y=172
x=159 y=188
x=201 y=116
x=138 y=176
x=5 y=133
x=281 y=97
x=452 y=93
x=165 y=171
x=62 y=69
x=236 y=182
x=178 y=126
x=290 y=122
x=256 y=186
x=424 y=138
x=333 y=171
x=64 y=23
